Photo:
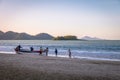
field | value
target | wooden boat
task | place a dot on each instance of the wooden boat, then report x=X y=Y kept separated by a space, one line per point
x=28 y=51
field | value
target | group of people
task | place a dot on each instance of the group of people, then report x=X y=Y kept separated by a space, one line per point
x=18 y=48
x=56 y=51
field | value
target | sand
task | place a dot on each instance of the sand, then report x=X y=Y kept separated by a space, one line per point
x=35 y=67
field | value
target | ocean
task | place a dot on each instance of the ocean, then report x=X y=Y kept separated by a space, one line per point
x=100 y=50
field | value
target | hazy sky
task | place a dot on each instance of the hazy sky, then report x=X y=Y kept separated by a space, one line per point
x=100 y=18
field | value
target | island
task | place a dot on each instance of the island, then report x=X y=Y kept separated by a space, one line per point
x=68 y=37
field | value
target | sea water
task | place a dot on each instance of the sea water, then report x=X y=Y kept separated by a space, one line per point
x=101 y=50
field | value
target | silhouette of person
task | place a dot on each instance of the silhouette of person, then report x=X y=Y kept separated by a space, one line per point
x=41 y=50
x=56 y=51
x=31 y=49
x=17 y=49
x=69 y=51
x=46 y=51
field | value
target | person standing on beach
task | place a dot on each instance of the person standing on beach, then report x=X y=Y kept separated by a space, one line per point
x=46 y=51
x=41 y=50
x=56 y=51
x=17 y=49
x=31 y=49
x=69 y=51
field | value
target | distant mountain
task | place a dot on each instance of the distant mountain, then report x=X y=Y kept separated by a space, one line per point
x=24 y=36
x=90 y=38
x=44 y=36
x=1 y=33
x=10 y=35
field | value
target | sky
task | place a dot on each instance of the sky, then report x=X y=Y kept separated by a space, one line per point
x=95 y=18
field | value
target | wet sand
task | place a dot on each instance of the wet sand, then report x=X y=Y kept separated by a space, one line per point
x=35 y=67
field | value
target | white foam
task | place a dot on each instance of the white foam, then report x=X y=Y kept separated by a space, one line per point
x=3 y=52
x=91 y=58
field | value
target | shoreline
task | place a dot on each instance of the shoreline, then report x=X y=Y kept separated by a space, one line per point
x=62 y=56
x=35 y=67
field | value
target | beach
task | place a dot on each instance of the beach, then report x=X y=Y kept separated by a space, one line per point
x=36 y=67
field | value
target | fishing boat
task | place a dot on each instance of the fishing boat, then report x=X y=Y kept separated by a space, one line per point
x=27 y=51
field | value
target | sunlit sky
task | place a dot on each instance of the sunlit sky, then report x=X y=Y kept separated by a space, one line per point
x=96 y=18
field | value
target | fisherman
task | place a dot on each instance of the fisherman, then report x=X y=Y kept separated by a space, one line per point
x=17 y=49
x=56 y=51
x=46 y=50
x=69 y=51
x=31 y=48
x=41 y=50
